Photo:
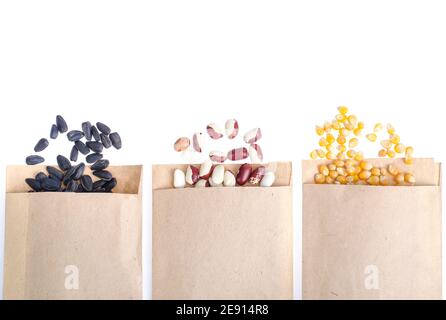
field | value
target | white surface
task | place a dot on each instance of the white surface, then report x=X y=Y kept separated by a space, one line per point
x=156 y=70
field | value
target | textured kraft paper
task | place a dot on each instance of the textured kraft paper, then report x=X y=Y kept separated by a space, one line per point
x=377 y=243
x=53 y=239
x=222 y=243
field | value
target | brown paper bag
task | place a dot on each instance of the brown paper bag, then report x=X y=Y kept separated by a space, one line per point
x=366 y=242
x=222 y=243
x=73 y=245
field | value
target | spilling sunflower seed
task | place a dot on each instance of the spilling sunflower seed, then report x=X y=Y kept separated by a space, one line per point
x=69 y=177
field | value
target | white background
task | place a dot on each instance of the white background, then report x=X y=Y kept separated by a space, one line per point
x=156 y=70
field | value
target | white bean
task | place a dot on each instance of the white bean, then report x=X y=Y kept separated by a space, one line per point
x=197 y=141
x=206 y=170
x=179 y=179
x=229 y=180
x=218 y=175
x=253 y=136
x=218 y=156
x=202 y=184
x=192 y=175
x=268 y=179
x=255 y=153
x=231 y=127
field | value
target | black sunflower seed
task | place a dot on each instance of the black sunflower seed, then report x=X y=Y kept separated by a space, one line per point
x=100 y=165
x=72 y=186
x=49 y=184
x=103 y=128
x=87 y=183
x=80 y=188
x=61 y=124
x=78 y=173
x=116 y=140
x=34 y=184
x=109 y=186
x=69 y=175
x=82 y=147
x=106 y=141
x=95 y=146
x=75 y=135
x=54 y=133
x=74 y=154
x=103 y=174
x=92 y=158
x=55 y=173
x=95 y=134
x=63 y=163
x=86 y=129
x=99 y=184
x=40 y=176
x=33 y=160
x=41 y=145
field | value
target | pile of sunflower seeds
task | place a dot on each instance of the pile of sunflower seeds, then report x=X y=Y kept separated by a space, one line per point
x=71 y=178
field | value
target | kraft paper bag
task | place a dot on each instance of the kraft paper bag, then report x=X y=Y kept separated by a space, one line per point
x=73 y=245
x=368 y=242
x=222 y=243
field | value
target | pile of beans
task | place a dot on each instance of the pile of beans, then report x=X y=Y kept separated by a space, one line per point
x=215 y=132
x=338 y=142
x=211 y=175
x=71 y=178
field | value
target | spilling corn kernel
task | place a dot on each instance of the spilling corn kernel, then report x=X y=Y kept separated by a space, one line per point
x=339 y=140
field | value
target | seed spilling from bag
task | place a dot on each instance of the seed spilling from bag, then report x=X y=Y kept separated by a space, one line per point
x=116 y=140
x=33 y=160
x=181 y=144
x=86 y=129
x=231 y=128
x=106 y=142
x=49 y=184
x=244 y=174
x=238 y=154
x=87 y=183
x=92 y=158
x=197 y=142
x=34 y=184
x=229 y=179
x=253 y=136
x=179 y=179
x=95 y=134
x=206 y=170
x=63 y=163
x=54 y=133
x=41 y=145
x=82 y=147
x=192 y=175
x=95 y=146
x=218 y=156
x=103 y=174
x=55 y=173
x=257 y=175
x=74 y=154
x=218 y=175
x=103 y=128
x=214 y=131
x=61 y=124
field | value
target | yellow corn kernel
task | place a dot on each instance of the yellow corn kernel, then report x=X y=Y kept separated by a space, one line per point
x=332 y=167
x=357 y=132
x=341 y=140
x=399 y=178
x=378 y=127
x=409 y=178
x=330 y=148
x=384 y=172
x=359 y=156
x=323 y=142
x=358 y=170
x=387 y=144
x=341 y=148
x=366 y=165
x=341 y=179
x=409 y=151
x=390 y=129
x=376 y=171
x=341 y=117
x=341 y=156
x=395 y=139
x=353 y=120
x=350 y=179
x=335 y=125
x=341 y=172
x=344 y=132
x=391 y=154
x=348 y=126
x=330 y=156
x=364 y=175
x=408 y=161
x=339 y=163
x=361 y=125
x=330 y=138
x=351 y=171
x=353 y=143
x=382 y=153
x=320 y=153
x=329 y=180
x=393 y=170
x=343 y=110
x=384 y=181
x=327 y=126
x=371 y=137
x=313 y=155
x=400 y=148
x=351 y=153
x=319 y=178
x=323 y=169
x=373 y=180
x=320 y=131
x=333 y=174
x=350 y=163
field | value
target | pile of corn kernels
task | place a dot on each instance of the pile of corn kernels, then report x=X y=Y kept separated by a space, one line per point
x=338 y=142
